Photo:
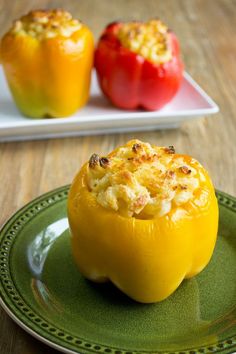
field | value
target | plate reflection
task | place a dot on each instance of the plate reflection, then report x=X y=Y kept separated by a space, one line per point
x=37 y=254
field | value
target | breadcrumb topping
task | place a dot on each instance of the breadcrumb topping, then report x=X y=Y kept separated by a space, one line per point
x=43 y=24
x=149 y=39
x=143 y=181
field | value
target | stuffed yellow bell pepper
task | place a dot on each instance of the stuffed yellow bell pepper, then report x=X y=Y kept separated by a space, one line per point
x=144 y=218
x=47 y=57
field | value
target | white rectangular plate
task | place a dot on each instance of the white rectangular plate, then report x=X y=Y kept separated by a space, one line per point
x=99 y=116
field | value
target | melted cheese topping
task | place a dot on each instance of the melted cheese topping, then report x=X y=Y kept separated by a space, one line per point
x=150 y=40
x=143 y=181
x=42 y=24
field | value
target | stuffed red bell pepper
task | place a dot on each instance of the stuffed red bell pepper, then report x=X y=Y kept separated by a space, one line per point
x=138 y=64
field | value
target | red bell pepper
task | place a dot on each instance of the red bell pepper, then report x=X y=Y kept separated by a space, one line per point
x=132 y=80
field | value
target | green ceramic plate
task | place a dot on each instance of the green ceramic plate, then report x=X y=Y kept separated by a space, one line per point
x=43 y=291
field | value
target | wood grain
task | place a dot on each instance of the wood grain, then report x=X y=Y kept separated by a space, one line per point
x=206 y=30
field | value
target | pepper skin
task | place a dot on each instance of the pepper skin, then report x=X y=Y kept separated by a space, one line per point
x=145 y=257
x=131 y=80
x=47 y=58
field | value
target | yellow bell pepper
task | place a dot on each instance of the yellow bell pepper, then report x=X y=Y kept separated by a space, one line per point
x=47 y=57
x=144 y=218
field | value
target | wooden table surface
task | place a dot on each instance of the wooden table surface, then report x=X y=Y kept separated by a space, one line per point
x=206 y=29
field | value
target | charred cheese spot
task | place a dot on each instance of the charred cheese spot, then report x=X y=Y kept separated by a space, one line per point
x=149 y=39
x=144 y=181
x=43 y=24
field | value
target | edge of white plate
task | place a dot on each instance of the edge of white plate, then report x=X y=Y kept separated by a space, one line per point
x=124 y=115
x=215 y=107
x=29 y=129
x=68 y=134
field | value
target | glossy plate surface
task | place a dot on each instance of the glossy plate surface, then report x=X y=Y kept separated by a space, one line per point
x=99 y=116
x=43 y=291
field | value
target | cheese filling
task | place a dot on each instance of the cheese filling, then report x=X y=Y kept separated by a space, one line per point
x=150 y=40
x=43 y=24
x=143 y=181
